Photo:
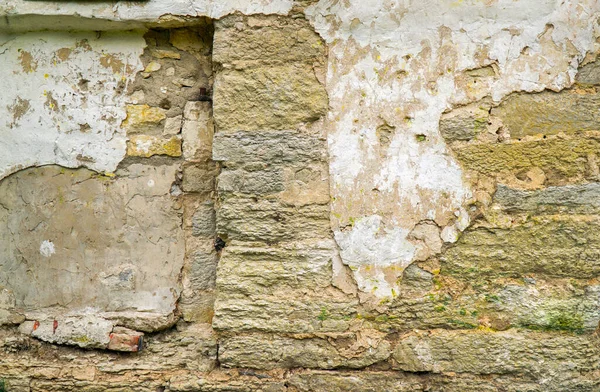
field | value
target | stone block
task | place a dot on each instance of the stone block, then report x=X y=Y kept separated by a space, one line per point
x=271 y=98
x=275 y=148
x=580 y=199
x=199 y=177
x=262 y=39
x=201 y=264
x=146 y=146
x=553 y=356
x=564 y=159
x=197 y=111
x=589 y=74
x=197 y=139
x=364 y=381
x=263 y=270
x=261 y=352
x=548 y=113
x=142 y=118
x=204 y=220
x=197 y=306
x=172 y=126
x=463 y=124
x=257 y=182
x=271 y=221
x=548 y=246
x=286 y=311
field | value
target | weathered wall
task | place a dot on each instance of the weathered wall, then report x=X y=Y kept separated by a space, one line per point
x=300 y=196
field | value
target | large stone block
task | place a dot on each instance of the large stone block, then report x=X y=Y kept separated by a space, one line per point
x=283 y=312
x=280 y=289
x=547 y=356
x=354 y=381
x=262 y=270
x=271 y=221
x=579 y=199
x=273 y=148
x=549 y=113
x=258 y=182
x=268 y=352
x=563 y=159
x=241 y=41
x=270 y=98
x=548 y=246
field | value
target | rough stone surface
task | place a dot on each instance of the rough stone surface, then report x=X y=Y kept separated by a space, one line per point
x=549 y=113
x=259 y=353
x=147 y=146
x=433 y=352
x=66 y=225
x=271 y=86
x=299 y=195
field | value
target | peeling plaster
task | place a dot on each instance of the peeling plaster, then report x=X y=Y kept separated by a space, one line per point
x=400 y=65
x=47 y=101
x=128 y=14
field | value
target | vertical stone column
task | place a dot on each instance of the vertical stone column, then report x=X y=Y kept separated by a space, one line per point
x=275 y=273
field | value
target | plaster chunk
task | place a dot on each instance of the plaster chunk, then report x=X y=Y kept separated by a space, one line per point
x=110 y=252
x=86 y=331
x=65 y=112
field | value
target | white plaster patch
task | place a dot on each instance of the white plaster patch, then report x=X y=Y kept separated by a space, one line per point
x=65 y=98
x=47 y=248
x=400 y=64
x=146 y=11
x=369 y=244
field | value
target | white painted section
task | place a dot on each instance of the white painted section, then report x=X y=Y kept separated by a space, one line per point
x=143 y=11
x=66 y=112
x=400 y=63
x=47 y=248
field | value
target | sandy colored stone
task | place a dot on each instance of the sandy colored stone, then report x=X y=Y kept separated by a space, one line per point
x=271 y=221
x=548 y=113
x=282 y=40
x=254 y=351
x=563 y=158
x=142 y=117
x=172 y=126
x=270 y=98
x=554 y=356
x=550 y=246
x=147 y=146
x=199 y=177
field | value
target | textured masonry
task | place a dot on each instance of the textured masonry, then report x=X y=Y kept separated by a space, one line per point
x=300 y=196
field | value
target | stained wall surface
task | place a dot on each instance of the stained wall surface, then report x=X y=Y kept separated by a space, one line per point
x=300 y=195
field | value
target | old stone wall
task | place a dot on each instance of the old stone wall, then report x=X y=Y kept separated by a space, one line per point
x=300 y=196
